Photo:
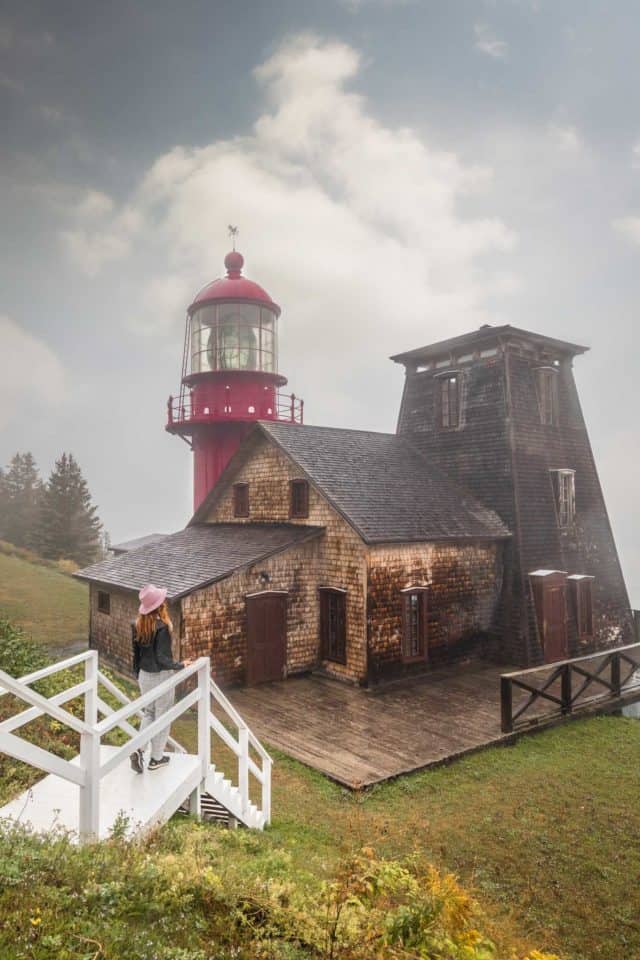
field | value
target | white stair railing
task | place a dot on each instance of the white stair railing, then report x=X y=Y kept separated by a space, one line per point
x=241 y=746
x=88 y=771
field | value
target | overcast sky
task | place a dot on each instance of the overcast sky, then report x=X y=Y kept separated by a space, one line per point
x=400 y=172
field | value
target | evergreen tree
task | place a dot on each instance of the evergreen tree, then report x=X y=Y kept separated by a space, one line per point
x=20 y=495
x=69 y=527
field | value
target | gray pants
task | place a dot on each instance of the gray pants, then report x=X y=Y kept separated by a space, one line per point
x=149 y=681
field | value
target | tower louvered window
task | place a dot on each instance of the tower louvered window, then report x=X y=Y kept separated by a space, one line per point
x=547 y=387
x=564 y=488
x=449 y=401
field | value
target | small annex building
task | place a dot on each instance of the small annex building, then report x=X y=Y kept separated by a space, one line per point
x=318 y=549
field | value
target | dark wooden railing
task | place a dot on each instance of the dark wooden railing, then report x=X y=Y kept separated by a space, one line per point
x=600 y=679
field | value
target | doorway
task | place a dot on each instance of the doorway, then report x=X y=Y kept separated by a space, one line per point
x=266 y=636
x=550 y=598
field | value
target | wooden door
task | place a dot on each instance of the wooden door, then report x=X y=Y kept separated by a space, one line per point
x=266 y=637
x=555 y=623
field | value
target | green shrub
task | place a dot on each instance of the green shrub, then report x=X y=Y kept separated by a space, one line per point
x=197 y=892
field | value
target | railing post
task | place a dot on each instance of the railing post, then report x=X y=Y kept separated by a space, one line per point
x=615 y=675
x=89 y=813
x=170 y=410
x=204 y=730
x=506 y=704
x=243 y=767
x=565 y=688
x=302 y=411
x=266 y=789
x=293 y=408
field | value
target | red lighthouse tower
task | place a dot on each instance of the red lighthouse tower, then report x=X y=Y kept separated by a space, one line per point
x=230 y=374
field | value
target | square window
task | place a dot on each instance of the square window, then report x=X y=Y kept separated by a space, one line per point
x=241 y=499
x=298 y=499
x=104 y=602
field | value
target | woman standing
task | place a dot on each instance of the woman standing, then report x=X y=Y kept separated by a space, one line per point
x=152 y=663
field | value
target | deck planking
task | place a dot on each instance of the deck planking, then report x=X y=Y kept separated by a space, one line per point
x=361 y=737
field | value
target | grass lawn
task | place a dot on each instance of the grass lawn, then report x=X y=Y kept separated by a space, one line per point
x=545 y=834
x=48 y=605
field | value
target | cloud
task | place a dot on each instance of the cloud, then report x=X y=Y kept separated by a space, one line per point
x=352 y=225
x=95 y=240
x=489 y=44
x=628 y=227
x=20 y=351
x=565 y=137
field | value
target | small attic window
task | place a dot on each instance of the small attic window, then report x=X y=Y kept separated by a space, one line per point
x=241 y=499
x=298 y=499
x=104 y=602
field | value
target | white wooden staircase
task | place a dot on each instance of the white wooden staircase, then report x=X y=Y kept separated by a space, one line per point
x=98 y=791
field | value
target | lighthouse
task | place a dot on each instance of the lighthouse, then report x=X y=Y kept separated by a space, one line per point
x=230 y=375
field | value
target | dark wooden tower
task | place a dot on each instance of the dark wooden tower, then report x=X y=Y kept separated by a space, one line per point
x=498 y=410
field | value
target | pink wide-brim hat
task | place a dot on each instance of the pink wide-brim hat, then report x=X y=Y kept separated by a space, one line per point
x=151 y=598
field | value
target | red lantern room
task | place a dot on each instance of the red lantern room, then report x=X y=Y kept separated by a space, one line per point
x=230 y=373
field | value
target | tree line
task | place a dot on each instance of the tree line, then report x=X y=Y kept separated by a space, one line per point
x=55 y=518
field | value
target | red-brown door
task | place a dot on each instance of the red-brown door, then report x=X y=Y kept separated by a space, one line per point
x=266 y=637
x=555 y=623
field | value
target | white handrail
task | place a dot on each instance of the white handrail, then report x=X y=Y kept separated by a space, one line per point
x=119 y=695
x=240 y=747
x=52 y=668
x=134 y=706
x=88 y=772
x=26 y=716
x=37 y=700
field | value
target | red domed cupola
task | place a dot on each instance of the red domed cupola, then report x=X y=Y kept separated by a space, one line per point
x=229 y=373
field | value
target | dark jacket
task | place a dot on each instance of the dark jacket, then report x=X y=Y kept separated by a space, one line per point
x=157 y=655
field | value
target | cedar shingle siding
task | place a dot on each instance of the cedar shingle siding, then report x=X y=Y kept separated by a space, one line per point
x=505 y=454
x=463 y=510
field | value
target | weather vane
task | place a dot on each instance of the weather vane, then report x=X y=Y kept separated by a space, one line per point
x=233 y=233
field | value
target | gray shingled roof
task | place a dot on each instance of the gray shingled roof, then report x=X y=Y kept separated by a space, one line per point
x=383 y=486
x=200 y=555
x=134 y=544
x=485 y=335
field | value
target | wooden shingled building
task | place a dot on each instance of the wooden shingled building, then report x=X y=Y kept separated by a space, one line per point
x=479 y=529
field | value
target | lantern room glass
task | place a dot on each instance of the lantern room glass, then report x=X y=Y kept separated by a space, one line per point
x=233 y=336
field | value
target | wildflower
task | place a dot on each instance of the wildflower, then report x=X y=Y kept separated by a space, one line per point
x=35 y=921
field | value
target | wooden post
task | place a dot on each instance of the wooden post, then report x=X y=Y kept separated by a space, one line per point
x=615 y=674
x=565 y=688
x=243 y=767
x=267 y=763
x=89 y=813
x=636 y=624
x=204 y=730
x=506 y=704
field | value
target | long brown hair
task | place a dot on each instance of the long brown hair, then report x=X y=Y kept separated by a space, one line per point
x=146 y=623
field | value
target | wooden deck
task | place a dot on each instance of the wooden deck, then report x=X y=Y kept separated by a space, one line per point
x=359 y=737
